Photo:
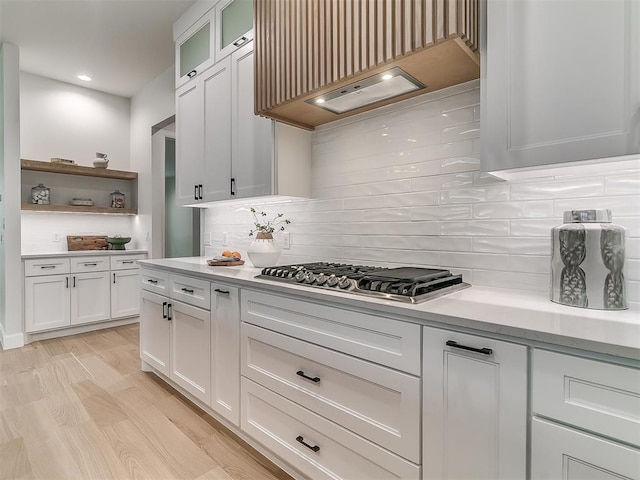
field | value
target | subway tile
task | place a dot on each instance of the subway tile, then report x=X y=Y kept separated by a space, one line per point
x=460 y=100
x=456 y=117
x=481 y=228
x=619 y=205
x=442 y=212
x=632 y=224
x=472 y=260
x=513 y=280
x=632 y=269
x=358 y=203
x=468 y=163
x=513 y=210
x=530 y=263
x=460 y=132
x=512 y=245
x=475 y=195
x=440 y=182
x=633 y=291
x=411 y=199
x=632 y=249
x=627 y=184
x=324 y=205
x=533 y=227
x=549 y=189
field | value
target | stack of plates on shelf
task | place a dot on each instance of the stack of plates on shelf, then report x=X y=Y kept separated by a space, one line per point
x=81 y=202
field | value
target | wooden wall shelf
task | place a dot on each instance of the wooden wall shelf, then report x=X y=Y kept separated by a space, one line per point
x=78 y=209
x=38 y=166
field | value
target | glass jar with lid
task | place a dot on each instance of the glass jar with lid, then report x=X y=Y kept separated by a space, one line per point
x=40 y=195
x=117 y=199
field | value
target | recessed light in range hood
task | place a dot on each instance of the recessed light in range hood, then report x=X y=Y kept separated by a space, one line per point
x=373 y=89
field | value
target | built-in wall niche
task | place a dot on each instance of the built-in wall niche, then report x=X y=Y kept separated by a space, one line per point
x=67 y=182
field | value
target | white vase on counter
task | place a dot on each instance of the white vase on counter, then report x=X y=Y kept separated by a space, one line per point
x=264 y=251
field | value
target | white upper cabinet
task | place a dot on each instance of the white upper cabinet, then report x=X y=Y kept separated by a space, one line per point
x=233 y=26
x=560 y=82
x=194 y=49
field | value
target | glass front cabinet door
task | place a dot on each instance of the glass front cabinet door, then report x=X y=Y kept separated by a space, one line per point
x=194 y=49
x=234 y=26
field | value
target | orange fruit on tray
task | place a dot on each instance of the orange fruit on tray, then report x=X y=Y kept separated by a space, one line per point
x=227 y=253
x=237 y=255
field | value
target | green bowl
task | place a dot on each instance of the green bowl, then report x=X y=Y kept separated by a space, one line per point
x=117 y=243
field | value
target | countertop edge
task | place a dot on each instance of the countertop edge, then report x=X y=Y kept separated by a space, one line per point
x=81 y=253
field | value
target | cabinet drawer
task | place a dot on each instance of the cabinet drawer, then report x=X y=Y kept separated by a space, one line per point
x=376 y=402
x=329 y=451
x=558 y=452
x=46 y=266
x=154 y=281
x=594 y=395
x=379 y=339
x=190 y=290
x=123 y=262
x=89 y=264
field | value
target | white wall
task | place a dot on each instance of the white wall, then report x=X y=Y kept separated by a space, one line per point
x=401 y=186
x=151 y=106
x=58 y=119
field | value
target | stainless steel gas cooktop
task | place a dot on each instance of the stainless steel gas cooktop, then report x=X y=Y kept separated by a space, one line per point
x=403 y=284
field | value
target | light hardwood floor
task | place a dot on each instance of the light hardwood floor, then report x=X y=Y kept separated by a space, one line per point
x=80 y=408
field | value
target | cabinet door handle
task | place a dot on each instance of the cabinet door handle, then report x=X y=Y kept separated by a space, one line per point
x=300 y=373
x=152 y=282
x=199 y=192
x=74 y=281
x=127 y=262
x=240 y=41
x=164 y=305
x=67 y=282
x=225 y=292
x=483 y=351
x=300 y=439
x=192 y=73
x=90 y=264
x=114 y=278
x=187 y=290
x=233 y=186
x=169 y=312
x=195 y=192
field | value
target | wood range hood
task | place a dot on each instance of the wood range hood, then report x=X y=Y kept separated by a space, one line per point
x=315 y=49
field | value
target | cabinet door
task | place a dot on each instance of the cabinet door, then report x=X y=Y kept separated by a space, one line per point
x=155 y=330
x=46 y=302
x=474 y=407
x=562 y=82
x=190 y=349
x=216 y=176
x=194 y=50
x=225 y=351
x=189 y=141
x=252 y=136
x=89 y=297
x=234 y=26
x=561 y=453
x=125 y=296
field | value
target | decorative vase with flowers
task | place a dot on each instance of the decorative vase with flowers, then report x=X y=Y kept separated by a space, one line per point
x=265 y=251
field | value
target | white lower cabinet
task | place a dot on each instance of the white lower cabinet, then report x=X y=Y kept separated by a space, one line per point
x=225 y=351
x=47 y=302
x=474 y=412
x=125 y=286
x=155 y=331
x=562 y=453
x=314 y=445
x=89 y=297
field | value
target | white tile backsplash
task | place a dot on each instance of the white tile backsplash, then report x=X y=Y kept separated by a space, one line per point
x=402 y=186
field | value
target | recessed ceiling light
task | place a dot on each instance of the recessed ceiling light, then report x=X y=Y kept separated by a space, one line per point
x=84 y=78
x=387 y=76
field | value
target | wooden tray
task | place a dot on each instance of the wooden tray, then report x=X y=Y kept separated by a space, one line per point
x=213 y=263
x=86 y=242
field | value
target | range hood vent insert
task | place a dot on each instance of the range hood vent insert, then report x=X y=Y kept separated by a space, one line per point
x=383 y=86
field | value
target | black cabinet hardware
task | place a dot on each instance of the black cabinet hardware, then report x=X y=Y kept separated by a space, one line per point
x=153 y=282
x=240 y=41
x=187 y=290
x=192 y=73
x=169 y=312
x=300 y=439
x=200 y=192
x=484 y=351
x=226 y=292
x=313 y=379
x=67 y=279
x=127 y=262
x=233 y=186
x=45 y=267
x=195 y=192
x=114 y=278
x=90 y=264
x=74 y=281
x=164 y=305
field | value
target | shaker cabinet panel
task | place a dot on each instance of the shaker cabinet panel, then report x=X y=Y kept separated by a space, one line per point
x=125 y=297
x=189 y=142
x=47 y=302
x=234 y=26
x=194 y=50
x=562 y=82
x=155 y=331
x=89 y=297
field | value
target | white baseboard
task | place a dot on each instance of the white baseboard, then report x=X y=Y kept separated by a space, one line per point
x=7 y=342
x=89 y=327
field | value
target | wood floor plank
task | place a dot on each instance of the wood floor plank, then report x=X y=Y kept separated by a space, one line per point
x=34 y=422
x=50 y=459
x=54 y=347
x=99 y=404
x=103 y=374
x=15 y=462
x=7 y=431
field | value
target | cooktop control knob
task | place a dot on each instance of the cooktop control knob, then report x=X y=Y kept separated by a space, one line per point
x=309 y=277
x=332 y=281
x=344 y=282
x=300 y=276
x=321 y=279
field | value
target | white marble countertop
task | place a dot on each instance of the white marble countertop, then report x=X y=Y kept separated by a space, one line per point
x=514 y=313
x=81 y=253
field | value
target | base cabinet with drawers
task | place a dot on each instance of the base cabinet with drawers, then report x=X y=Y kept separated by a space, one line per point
x=330 y=392
x=586 y=422
x=68 y=291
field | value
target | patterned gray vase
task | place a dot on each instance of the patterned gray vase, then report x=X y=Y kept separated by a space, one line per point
x=587 y=261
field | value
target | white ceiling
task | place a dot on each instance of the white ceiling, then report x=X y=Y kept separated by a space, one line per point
x=121 y=44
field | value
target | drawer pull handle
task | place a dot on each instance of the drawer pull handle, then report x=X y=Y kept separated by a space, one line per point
x=127 y=262
x=44 y=267
x=164 y=305
x=225 y=292
x=90 y=264
x=300 y=439
x=240 y=41
x=152 y=282
x=187 y=290
x=313 y=379
x=484 y=351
